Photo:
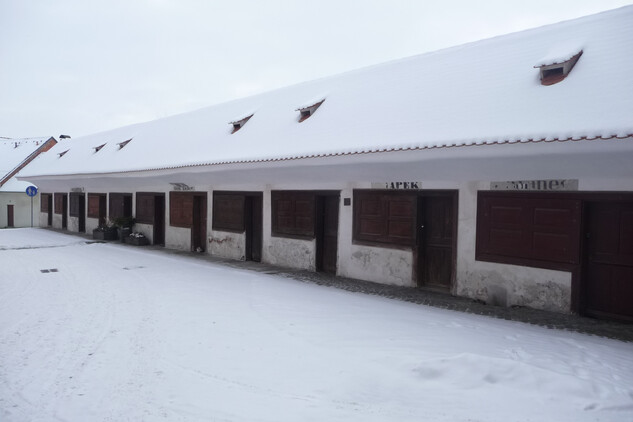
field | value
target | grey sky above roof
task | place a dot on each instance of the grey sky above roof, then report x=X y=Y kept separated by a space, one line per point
x=79 y=67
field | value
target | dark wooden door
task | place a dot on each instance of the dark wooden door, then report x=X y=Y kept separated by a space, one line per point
x=327 y=233
x=49 y=216
x=253 y=227
x=435 y=241
x=127 y=205
x=159 y=220
x=82 y=212
x=199 y=226
x=10 y=216
x=609 y=260
x=103 y=202
x=64 y=211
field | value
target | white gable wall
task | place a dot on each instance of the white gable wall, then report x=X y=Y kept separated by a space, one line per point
x=21 y=209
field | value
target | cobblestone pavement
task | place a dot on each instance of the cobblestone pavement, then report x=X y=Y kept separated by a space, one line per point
x=552 y=320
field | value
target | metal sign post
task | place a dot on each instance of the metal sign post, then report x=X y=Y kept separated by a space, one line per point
x=31 y=191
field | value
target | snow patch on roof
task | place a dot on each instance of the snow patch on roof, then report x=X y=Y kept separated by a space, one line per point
x=560 y=53
x=312 y=103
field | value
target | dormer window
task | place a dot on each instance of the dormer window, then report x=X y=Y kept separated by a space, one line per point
x=98 y=148
x=237 y=125
x=124 y=143
x=305 y=112
x=553 y=71
x=61 y=154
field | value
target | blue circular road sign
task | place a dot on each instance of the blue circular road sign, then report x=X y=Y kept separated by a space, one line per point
x=31 y=191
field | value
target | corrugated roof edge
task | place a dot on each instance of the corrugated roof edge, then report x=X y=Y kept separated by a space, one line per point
x=358 y=152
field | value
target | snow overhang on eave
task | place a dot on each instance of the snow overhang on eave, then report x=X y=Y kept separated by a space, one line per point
x=332 y=155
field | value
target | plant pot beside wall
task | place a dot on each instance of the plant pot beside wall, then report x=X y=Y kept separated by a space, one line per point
x=137 y=240
x=125 y=233
x=108 y=233
x=124 y=224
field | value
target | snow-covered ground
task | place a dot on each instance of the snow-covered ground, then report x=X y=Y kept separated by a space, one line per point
x=125 y=334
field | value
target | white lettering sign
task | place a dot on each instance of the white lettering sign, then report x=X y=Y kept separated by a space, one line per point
x=537 y=185
x=397 y=185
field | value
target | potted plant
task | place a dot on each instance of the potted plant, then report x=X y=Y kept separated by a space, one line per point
x=124 y=224
x=137 y=239
x=106 y=231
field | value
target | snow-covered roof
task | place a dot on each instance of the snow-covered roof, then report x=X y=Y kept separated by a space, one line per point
x=485 y=92
x=13 y=152
x=560 y=53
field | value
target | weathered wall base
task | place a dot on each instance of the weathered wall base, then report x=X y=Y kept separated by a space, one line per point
x=227 y=245
x=292 y=253
x=380 y=265
x=178 y=238
x=91 y=224
x=73 y=224
x=511 y=285
x=57 y=221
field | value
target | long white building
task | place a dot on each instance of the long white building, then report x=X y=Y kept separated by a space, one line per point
x=500 y=170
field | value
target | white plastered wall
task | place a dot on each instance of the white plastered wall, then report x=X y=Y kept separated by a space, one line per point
x=21 y=209
x=146 y=229
x=283 y=251
x=57 y=220
x=508 y=285
x=73 y=224
x=224 y=244
x=494 y=283
x=380 y=265
x=227 y=244
x=43 y=219
x=502 y=284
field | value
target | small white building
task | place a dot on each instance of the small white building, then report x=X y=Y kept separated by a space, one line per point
x=15 y=204
x=500 y=170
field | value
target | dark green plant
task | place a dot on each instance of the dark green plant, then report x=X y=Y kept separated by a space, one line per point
x=122 y=222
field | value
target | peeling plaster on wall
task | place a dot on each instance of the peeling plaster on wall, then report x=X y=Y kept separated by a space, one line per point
x=548 y=295
x=227 y=245
x=292 y=253
x=509 y=285
x=381 y=265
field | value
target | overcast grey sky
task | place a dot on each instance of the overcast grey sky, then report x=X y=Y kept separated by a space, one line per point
x=81 y=66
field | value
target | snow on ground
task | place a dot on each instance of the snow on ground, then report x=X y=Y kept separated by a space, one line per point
x=124 y=334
